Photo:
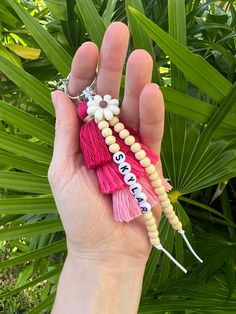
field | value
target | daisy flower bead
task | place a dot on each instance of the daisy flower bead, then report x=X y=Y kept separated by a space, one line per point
x=103 y=108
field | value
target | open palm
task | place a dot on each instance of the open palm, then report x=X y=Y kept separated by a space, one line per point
x=85 y=212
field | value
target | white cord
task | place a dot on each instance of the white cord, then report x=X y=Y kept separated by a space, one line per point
x=182 y=232
x=161 y=248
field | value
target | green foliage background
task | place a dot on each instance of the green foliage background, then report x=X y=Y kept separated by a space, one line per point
x=193 y=46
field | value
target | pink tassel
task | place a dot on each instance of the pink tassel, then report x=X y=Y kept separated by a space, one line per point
x=125 y=208
x=82 y=110
x=93 y=146
x=167 y=185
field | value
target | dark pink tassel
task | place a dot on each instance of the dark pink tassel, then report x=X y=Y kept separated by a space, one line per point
x=93 y=146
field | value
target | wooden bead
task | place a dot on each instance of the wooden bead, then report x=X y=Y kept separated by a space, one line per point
x=150 y=169
x=130 y=140
x=114 y=148
x=165 y=203
x=151 y=228
x=156 y=183
x=123 y=134
x=160 y=191
x=110 y=140
x=106 y=132
x=151 y=222
x=145 y=162
x=155 y=241
x=154 y=176
x=174 y=220
x=119 y=127
x=140 y=154
x=113 y=121
x=177 y=226
x=162 y=197
x=103 y=124
x=153 y=235
x=167 y=210
x=170 y=215
x=148 y=215
x=136 y=147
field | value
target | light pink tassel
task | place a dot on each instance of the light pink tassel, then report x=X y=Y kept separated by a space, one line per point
x=125 y=208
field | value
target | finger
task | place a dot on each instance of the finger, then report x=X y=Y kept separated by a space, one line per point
x=66 y=143
x=83 y=68
x=112 y=58
x=151 y=117
x=138 y=74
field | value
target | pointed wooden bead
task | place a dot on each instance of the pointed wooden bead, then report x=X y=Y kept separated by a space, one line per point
x=160 y=191
x=154 y=176
x=174 y=220
x=167 y=210
x=170 y=215
x=165 y=203
x=148 y=215
x=153 y=235
x=150 y=222
x=151 y=228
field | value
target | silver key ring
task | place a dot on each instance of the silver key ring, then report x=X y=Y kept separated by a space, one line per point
x=87 y=93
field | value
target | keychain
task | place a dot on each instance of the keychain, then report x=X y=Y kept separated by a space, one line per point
x=125 y=167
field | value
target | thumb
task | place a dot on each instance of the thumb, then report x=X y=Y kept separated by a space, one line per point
x=66 y=143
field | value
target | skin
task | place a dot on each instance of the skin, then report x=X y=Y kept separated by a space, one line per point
x=104 y=268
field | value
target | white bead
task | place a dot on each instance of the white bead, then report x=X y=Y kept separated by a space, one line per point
x=130 y=178
x=119 y=157
x=124 y=168
x=140 y=198
x=135 y=188
x=145 y=207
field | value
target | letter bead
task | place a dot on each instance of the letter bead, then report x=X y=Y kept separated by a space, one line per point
x=103 y=124
x=106 y=132
x=140 y=154
x=136 y=147
x=119 y=127
x=114 y=148
x=130 y=178
x=124 y=168
x=135 y=188
x=119 y=157
x=145 y=207
x=130 y=140
x=110 y=140
x=113 y=121
x=140 y=198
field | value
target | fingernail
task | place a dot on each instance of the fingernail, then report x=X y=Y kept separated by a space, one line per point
x=154 y=84
x=54 y=98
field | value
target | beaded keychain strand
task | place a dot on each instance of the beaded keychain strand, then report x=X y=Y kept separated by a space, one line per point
x=108 y=123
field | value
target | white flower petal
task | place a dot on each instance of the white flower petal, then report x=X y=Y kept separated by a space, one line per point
x=107 y=97
x=98 y=114
x=114 y=102
x=114 y=109
x=97 y=98
x=91 y=110
x=108 y=114
x=91 y=102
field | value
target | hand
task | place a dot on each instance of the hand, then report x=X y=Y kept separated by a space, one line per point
x=85 y=212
